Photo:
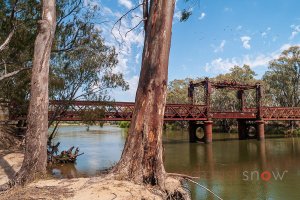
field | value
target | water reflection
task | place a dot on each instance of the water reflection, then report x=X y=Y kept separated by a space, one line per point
x=231 y=168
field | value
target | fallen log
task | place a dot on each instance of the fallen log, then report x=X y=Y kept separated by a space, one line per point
x=64 y=157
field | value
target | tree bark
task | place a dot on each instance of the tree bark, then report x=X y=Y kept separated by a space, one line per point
x=35 y=158
x=141 y=160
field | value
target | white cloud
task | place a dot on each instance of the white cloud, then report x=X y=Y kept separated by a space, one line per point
x=128 y=95
x=266 y=32
x=227 y=9
x=127 y=3
x=223 y=65
x=202 y=15
x=246 y=42
x=177 y=15
x=286 y=46
x=137 y=58
x=220 y=48
x=295 y=32
x=263 y=34
x=239 y=28
x=106 y=11
x=127 y=46
x=133 y=84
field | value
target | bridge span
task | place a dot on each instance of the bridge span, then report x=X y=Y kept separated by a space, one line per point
x=122 y=111
x=198 y=116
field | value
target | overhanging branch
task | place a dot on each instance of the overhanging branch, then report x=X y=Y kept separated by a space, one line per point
x=7 y=40
x=13 y=73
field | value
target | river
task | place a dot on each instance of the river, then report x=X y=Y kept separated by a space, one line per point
x=233 y=169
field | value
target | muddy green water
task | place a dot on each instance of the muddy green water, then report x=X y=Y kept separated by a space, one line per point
x=233 y=169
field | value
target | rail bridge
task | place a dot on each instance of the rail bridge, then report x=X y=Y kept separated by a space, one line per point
x=197 y=115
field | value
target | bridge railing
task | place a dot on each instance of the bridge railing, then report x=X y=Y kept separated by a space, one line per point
x=281 y=113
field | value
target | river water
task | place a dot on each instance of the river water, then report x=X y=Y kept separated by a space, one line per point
x=233 y=169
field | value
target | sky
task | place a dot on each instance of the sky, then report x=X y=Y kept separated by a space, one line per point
x=219 y=35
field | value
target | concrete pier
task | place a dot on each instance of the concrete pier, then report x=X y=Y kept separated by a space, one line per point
x=208 y=131
x=260 y=127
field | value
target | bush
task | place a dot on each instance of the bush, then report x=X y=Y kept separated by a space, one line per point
x=124 y=124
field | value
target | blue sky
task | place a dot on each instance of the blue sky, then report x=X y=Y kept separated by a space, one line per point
x=218 y=35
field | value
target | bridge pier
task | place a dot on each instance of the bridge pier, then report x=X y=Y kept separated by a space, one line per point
x=242 y=129
x=208 y=131
x=192 y=132
x=207 y=128
x=260 y=127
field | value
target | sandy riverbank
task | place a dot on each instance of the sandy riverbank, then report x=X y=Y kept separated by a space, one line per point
x=71 y=189
x=80 y=189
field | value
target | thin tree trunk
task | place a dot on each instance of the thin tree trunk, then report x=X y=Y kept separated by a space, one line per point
x=141 y=159
x=35 y=160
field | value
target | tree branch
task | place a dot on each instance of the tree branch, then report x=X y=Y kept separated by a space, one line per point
x=13 y=73
x=145 y=14
x=67 y=15
x=135 y=27
x=6 y=42
x=120 y=19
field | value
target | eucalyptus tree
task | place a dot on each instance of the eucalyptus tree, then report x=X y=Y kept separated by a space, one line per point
x=35 y=157
x=81 y=65
x=142 y=157
x=283 y=79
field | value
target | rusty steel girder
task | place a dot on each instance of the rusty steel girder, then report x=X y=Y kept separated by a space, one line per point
x=120 y=111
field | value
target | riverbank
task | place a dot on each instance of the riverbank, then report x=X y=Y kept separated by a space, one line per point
x=79 y=189
x=72 y=189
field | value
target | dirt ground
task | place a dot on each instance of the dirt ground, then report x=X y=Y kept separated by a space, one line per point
x=75 y=189
x=81 y=189
x=10 y=163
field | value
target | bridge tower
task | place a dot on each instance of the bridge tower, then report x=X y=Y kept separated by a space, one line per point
x=207 y=124
x=243 y=127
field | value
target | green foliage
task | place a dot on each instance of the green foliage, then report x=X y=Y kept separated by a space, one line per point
x=283 y=79
x=185 y=14
x=81 y=66
x=225 y=99
x=177 y=91
x=124 y=124
x=175 y=125
x=221 y=99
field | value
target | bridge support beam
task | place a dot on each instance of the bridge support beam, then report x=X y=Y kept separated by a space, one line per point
x=192 y=131
x=242 y=129
x=260 y=129
x=208 y=131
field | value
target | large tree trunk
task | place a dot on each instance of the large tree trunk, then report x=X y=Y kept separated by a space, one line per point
x=35 y=160
x=141 y=159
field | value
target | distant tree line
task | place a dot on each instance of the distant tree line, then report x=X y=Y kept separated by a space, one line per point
x=281 y=83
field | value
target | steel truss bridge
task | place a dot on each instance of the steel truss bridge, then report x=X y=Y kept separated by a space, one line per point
x=122 y=111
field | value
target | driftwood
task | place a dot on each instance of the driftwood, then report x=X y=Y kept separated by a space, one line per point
x=64 y=157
